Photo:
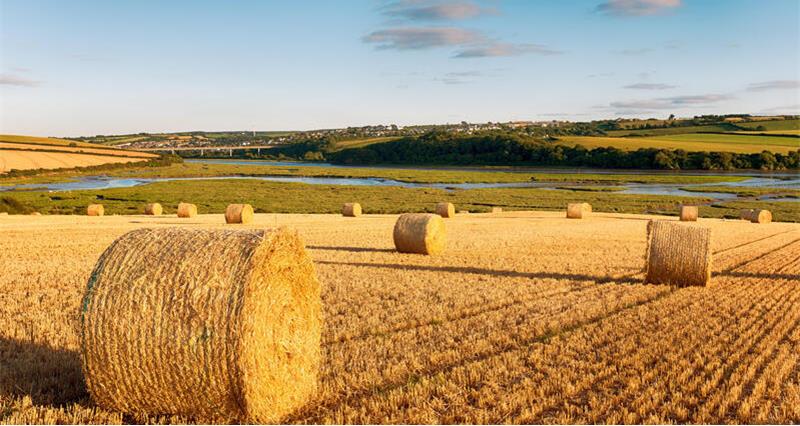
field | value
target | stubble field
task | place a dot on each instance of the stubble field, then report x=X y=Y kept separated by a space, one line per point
x=527 y=318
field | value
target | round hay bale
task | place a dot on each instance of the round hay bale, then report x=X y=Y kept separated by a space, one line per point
x=95 y=210
x=497 y=210
x=222 y=325
x=3 y=213
x=239 y=213
x=578 y=210
x=745 y=214
x=689 y=213
x=153 y=209
x=351 y=209
x=36 y=214
x=677 y=254
x=463 y=212
x=445 y=209
x=761 y=216
x=420 y=233
x=187 y=210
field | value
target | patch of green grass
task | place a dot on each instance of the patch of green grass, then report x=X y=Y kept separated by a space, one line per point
x=212 y=196
x=786 y=211
x=445 y=175
x=772 y=125
x=745 y=191
x=673 y=130
x=360 y=143
x=731 y=142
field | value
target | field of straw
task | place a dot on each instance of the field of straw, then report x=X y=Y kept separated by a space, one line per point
x=526 y=317
x=31 y=160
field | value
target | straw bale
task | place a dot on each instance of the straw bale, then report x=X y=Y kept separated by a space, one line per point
x=239 y=213
x=497 y=209
x=153 y=209
x=351 y=209
x=761 y=216
x=222 y=325
x=678 y=254
x=36 y=214
x=689 y=213
x=95 y=210
x=445 y=209
x=187 y=210
x=421 y=233
x=578 y=210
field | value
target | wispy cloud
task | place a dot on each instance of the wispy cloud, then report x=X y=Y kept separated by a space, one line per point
x=602 y=74
x=649 y=86
x=637 y=7
x=505 y=49
x=422 y=38
x=468 y=76
x=645 y=105
x=435 y=10
x=16 y=80
x=634 y=52
x=774 y=85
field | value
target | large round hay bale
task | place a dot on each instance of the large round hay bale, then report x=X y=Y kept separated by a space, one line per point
x=153 y=209
x=351 y=209
x=421 y=233
x=95 y=210
x=689 y=213
x=677 y=254
x=760 y=216
x=445 y=209
x=187 y=210
x=222 y=325
x=745 y=214
x=239 y=213
x=578 y=210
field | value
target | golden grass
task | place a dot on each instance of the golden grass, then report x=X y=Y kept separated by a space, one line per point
x=225 y=322
x=505 y=328
x=31 y=160
x=737 y=143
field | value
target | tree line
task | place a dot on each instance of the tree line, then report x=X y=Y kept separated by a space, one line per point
x=438 y=148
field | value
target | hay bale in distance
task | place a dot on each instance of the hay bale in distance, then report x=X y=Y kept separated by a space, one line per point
x=239 y=213
x=497 y=210
x=351 y=209
x=3 y=213
x=578 y=210
x=36 y=214
x=187 y=210
x=678 y=254
x=445 y=209
x=221 y=325
x=421 y=233
x=760 y=216
x=745 y=214
x=689 y=213
x=95 y=210
x=153 y=209
x=463 y=212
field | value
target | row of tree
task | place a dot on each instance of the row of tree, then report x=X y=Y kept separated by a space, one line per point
x=513 y=149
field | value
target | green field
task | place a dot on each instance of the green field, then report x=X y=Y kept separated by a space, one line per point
x=672 y=130
x=445 y=175
x=738 y=143
x=774 y=125
x=270 y=197
x=360 y=143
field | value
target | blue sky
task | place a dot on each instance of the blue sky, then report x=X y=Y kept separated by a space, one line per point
x=101 y=67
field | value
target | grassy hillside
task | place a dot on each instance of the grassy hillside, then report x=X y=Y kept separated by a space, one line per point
x=673 y=130
x=360 y=143
x=771 y=126
x=737 y=143
x=36 y=140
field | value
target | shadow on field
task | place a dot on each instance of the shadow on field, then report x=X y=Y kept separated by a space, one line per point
x=49 y=376
x=353 y=249
x=759 y=275
x=626 y=279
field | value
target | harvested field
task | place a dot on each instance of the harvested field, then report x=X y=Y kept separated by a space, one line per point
x=527 y=318
x=30 y=160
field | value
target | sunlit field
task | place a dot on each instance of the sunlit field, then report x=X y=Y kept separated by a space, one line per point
x=527 y=317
